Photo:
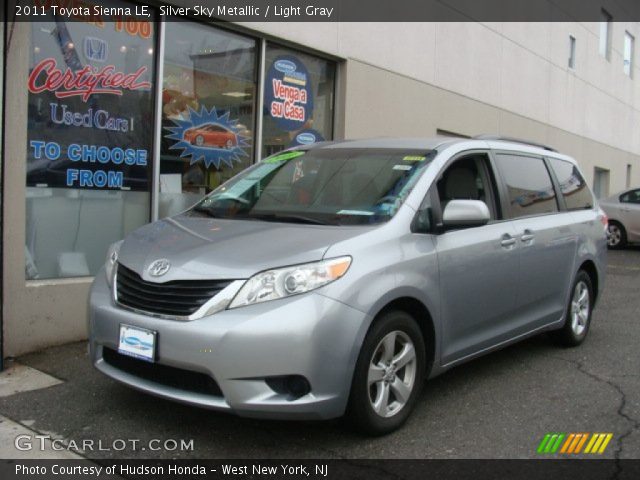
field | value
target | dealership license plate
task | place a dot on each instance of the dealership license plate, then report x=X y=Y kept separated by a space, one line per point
x=137 y=342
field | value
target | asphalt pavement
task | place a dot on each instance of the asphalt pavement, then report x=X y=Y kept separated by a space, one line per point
x=499 y=406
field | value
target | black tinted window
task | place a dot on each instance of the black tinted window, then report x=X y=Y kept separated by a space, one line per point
x=529 y=185
x=573 y=187
x=631 y=197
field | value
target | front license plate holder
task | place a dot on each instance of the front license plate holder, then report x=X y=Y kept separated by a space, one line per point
x=137 y=342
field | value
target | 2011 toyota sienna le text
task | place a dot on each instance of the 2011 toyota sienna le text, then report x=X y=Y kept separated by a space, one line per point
x=335 y=278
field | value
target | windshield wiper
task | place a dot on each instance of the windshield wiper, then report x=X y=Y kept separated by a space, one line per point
x=208 y=211
x=277 y=217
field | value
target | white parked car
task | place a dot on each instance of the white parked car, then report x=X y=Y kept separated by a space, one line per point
x=623 y=210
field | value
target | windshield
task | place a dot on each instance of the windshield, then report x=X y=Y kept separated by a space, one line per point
x=321 y=186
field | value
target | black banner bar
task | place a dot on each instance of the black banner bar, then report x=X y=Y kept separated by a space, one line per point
x=584 y=469
x=338 y=10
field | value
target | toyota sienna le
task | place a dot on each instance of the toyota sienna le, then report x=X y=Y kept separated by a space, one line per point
x=334 y=278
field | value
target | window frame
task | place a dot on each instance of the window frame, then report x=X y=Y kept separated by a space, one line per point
x=560 y=205
x=606 y=19
x=433 y=199
x=557 y=186
x=265 y=42
x=632 y=44
x=572 y=52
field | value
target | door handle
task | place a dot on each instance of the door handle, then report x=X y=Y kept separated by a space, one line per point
x=527 y=236
x=507 y=241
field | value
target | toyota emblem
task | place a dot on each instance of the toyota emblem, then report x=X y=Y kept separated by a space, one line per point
x=159 y=267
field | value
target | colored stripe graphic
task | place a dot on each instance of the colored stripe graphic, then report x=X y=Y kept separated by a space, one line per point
x=598 y=443
x=573 y=443
x=550 y=442
x=568 y=442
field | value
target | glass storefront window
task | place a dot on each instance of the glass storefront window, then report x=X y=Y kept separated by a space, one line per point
x=91 y=126
x=208 y=111
x=298 y=99
x=89 y=139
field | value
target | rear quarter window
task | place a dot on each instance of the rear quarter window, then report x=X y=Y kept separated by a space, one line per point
x=529 y=186
x=572 y=185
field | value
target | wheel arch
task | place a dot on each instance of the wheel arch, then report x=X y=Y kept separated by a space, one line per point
x=590 y=268
x=419 y=311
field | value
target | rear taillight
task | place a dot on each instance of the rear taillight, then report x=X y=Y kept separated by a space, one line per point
x=604 y=220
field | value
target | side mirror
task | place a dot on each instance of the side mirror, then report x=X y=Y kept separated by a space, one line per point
x=465 y=213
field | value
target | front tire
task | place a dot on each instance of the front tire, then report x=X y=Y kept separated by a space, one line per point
x=617 y=236
x=578 y=313
x=389 y=374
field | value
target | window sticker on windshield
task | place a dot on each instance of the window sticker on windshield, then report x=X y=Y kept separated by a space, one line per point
x=402 y=167
x=413 y=158
x=284 y=156
x=354 y=212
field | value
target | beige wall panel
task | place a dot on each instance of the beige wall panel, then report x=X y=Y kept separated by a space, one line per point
x=524 y=83
x=379 y=103
x=467 y=59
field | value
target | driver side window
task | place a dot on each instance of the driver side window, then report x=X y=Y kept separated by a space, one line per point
x=469 y=178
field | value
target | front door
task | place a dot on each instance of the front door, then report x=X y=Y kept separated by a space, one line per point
x=478 y=266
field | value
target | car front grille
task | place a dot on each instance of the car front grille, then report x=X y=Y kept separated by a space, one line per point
x=173 y=377
x=176 y=298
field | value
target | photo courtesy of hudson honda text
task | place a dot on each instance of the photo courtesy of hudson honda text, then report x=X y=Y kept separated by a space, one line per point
x=321 y=470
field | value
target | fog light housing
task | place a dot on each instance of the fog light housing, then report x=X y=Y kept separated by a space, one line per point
x=294 y=386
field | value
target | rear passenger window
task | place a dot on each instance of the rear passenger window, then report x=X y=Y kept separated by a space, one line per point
x=529 y=185
x=631 y=197
x=572 y=185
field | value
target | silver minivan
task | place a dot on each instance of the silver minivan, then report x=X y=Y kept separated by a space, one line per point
x=335 y=278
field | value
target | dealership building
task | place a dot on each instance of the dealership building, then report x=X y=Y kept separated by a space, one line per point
x=113 y=122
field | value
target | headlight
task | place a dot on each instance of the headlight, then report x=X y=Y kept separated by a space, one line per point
x=112 y=260
x=288 y=281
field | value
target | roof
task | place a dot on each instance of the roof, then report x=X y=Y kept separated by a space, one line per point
x=407 y=143
x=440 y=143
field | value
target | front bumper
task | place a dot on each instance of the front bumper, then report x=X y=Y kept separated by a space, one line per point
x=309 y=335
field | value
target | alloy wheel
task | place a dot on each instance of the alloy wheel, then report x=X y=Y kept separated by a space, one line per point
x=580 y=304
x=392 y=374
x=615 y=235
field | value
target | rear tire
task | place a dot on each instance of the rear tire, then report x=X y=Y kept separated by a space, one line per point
x=389 y=374
x=578 y=313
x=617 y=236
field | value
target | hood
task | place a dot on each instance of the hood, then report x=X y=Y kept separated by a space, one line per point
x=211 y=248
